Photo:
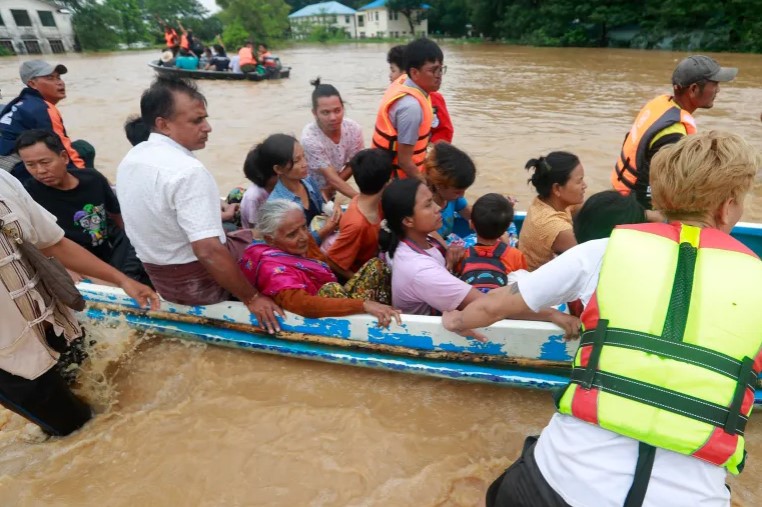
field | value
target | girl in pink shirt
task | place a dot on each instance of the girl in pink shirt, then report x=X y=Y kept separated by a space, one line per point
x=421 y=280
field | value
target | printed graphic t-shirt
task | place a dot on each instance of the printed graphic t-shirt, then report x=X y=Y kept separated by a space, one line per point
x=82 y=212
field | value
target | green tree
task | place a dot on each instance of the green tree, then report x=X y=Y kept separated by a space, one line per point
x=265 y=20
x=171 y=10
x=449 y=17
x=411 y=9
x=96 y=25
x=234 y=35
x=132 y=23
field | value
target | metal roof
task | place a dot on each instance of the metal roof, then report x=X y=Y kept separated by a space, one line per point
x=321 y=9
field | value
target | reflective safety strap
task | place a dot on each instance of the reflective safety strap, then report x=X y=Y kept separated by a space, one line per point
x=599 y=337
x=678 y=351
x=637 y=493
x=666 y=399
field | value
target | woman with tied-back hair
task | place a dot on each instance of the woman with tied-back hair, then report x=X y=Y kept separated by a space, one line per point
x=331 y=141
x=422 y=279
x=285 y=156
x=559 y=179
x=289 y=267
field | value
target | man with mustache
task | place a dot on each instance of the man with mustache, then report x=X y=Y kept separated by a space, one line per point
x=35 y=108
x=171 y=207
x=665 y=120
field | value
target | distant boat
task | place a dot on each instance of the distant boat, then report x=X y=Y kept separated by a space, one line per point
x=282 y=73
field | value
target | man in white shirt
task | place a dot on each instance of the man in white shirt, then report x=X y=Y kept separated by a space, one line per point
x=171 y=210
x=700 y=184
x=35 y=328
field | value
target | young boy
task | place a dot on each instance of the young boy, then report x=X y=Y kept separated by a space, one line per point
x=487 y=264
x=82 y=201
x=357 y=242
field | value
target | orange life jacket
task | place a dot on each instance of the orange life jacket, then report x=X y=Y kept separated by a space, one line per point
x=385 y=134
x=631 y=169
x=170 y=38
x=246 y=57
x=184 y=41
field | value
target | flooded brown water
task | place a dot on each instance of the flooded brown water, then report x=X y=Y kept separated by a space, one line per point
x=185 y=424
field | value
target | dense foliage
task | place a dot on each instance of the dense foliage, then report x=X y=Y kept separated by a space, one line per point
x=671 y=24
x=679 y=24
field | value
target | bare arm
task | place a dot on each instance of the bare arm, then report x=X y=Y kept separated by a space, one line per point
x=79 y=260
x=405 y=161
x=502 y=303
x=217 y=261
x=564 y=241
x=497 y=304
x=332 y=178
x=472 y=296
x=465 y=212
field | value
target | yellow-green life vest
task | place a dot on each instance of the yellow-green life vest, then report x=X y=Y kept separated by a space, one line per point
x=671 y=349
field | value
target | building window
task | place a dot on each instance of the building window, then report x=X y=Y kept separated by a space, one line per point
x=46 y=18
x=32 y=47
x=376 y=15
x=7 y=45
x=361 y=21
x=2 y=23
x=56 y=46
x=346 y=19
x=362 y=35
x=21 y=18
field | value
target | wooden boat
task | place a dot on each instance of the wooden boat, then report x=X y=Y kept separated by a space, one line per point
x=284 y=73
x=518 y=353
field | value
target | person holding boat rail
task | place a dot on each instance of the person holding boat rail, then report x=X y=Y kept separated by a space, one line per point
x=289 y=267
x=37 y=328
x=404 y=119
x=171 y=207
x=662 y=384
x=665 y=120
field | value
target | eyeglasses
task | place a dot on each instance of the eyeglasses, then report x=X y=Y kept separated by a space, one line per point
x=437 y=70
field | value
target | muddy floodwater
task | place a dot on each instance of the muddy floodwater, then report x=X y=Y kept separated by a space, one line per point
x=182 y=424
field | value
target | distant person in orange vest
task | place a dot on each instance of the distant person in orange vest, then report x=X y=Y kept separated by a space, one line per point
x=170 y=36
x=665 y=120
x=441 y=125
x=404 y=120
x=246 y=58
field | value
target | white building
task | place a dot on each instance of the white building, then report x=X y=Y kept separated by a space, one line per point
x=34 y=27
x=376 y=20
x=333 y=15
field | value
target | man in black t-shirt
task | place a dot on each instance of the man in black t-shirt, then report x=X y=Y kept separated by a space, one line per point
x=82 y=201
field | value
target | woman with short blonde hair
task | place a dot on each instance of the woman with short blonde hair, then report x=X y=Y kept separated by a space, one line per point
x=686 y=286
x=692 y=182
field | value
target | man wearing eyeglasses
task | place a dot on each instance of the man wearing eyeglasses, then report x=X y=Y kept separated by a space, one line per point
x=404 y=120
x=35 y=108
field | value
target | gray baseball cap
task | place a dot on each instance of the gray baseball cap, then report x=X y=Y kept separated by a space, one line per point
x=698 y=68
x=38 y=68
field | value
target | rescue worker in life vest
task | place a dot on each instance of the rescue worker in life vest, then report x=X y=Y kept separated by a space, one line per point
x=665 y=120
x=403 y=122
x=663 y=381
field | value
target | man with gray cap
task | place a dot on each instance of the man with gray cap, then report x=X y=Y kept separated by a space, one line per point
x=35 y=108
x=665 y=120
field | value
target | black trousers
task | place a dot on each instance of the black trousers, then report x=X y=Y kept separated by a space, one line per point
x=47 y=400
x=522 y=484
